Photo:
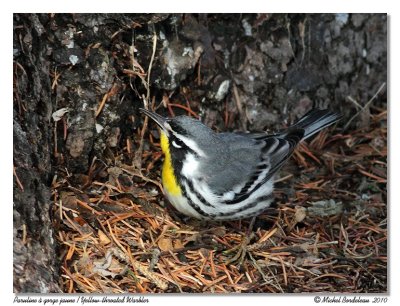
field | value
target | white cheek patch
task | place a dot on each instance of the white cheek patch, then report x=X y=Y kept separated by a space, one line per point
x=190 y=166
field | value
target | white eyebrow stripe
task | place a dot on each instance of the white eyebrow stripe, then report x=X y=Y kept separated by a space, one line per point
x=190 y=143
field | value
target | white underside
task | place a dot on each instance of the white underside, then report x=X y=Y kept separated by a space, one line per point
x=182 y=205
x=217 y=204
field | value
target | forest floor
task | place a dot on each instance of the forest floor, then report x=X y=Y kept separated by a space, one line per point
x=325 y=232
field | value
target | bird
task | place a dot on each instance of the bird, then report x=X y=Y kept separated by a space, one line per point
x=229 y=175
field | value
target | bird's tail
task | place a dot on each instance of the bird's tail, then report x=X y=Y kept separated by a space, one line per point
x=316 y=120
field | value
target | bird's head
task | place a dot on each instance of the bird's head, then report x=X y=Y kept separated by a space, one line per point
x=182 y=134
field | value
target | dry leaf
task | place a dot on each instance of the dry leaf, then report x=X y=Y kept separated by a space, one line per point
x=178 y=244
x=300 y=214
x=57 y=115
x=103 y=238
x=165 y=244
x=69 y=200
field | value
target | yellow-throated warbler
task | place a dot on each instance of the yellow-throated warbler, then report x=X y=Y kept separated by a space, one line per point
x=226 y=176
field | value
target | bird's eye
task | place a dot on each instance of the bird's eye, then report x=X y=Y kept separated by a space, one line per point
x=176 y=145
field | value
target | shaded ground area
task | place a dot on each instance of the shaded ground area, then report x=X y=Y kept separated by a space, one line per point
x=87 y=164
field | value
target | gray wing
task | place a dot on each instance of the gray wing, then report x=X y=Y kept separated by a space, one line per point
x=231 y=163
x=244 y=158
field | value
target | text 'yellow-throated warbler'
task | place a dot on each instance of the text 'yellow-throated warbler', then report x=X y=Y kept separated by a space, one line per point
x=226 y=176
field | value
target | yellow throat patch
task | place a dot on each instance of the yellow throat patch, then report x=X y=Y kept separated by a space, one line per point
x=168 y=177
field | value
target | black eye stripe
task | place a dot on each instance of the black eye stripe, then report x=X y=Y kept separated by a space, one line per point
x=179 y=142
x=177 y=128
x=176 y=145
x=178 y=151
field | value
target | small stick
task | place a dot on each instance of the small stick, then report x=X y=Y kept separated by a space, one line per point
x=365 y=106
x=102 y=103
x=189 y=110
x=138 y=155
x=17 y=179
x=239 y=107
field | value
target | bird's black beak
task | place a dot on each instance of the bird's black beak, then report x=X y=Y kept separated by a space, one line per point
x=160 y=120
